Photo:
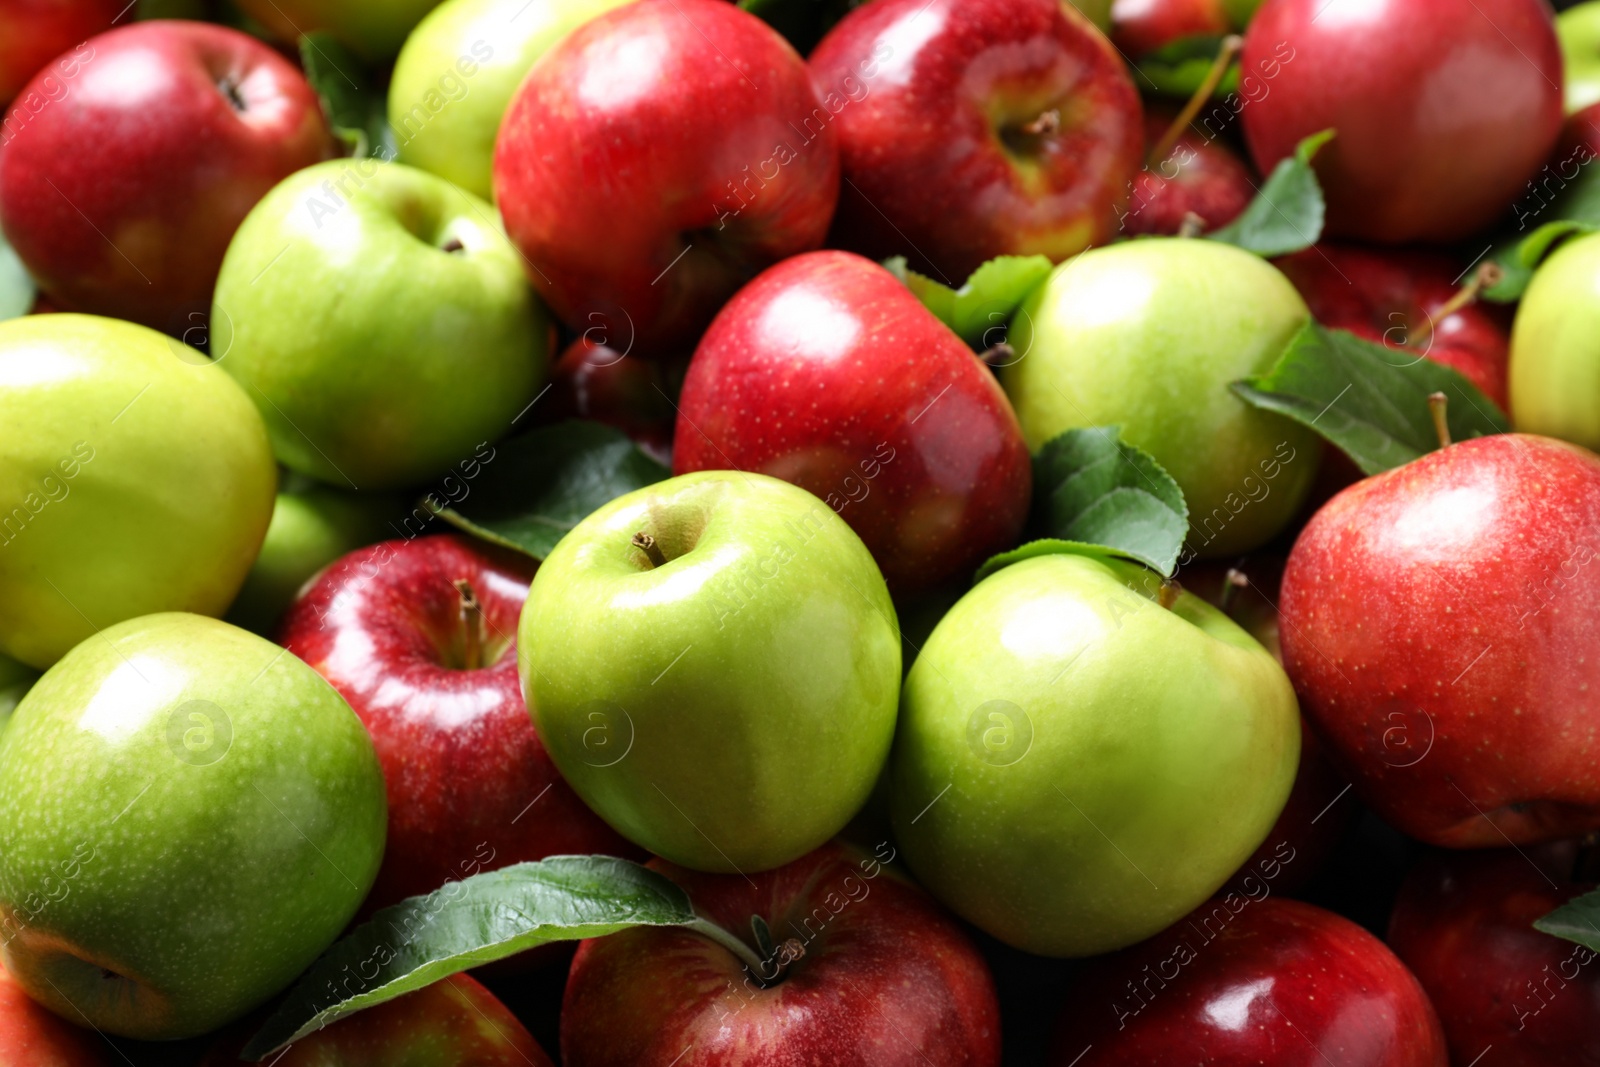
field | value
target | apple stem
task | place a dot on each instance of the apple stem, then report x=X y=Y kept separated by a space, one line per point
x=1438 y=407
x=1235 y=581
x=997 y=355
x=746 y=954
x=1487 y=276
x=1192 y=225
x=472 y=623
x=647 y=544
x=1168 y=594
x=1048 y=122
x=1227 y=52
x=453 y=245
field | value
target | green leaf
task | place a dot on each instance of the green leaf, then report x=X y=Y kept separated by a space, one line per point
x=1179 y=68
x=979 y=310
x=1561 y=201
x=1287 y=212
x=543 y=483
x=16 y=287
x=353 y=97
x=1577 y=920
x=1044 y=546
x=1369 y=400
x=466 y=924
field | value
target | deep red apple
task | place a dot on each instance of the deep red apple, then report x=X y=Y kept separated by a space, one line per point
x=656 y=158
x=1507 y=994
x=34 y=32
x=973 y=128
x=1250 y=982
x=869 y=973
x=419 y=636
x=1199 y=176
x=827 y=372
x=1443 y=108
x=32 y=1036
x=1139 y=27
x=190 y=124
x=597 y=381
x=1439 y=627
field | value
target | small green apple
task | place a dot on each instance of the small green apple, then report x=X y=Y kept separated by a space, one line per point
x=15 y=681
x=1555 y=347
x=380 y=320
x=189 y=815
x=135 y=477
x=374 y=29
x=457 y=73
x=1148 y=335
x=725 y=695
x=1578 y=29
x=1077 y=766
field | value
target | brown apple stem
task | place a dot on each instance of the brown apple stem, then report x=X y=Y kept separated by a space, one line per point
x=647 y=544
x=746 y=954
x=998 y=355
x=1227 y=52
x=1192 y=225
x=471 y=623
x=1235 y=581
x=1047 y=122
x=1486 y=276
x=1438 y=407
x=1168 y=594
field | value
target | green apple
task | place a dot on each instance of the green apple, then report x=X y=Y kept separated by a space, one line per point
x=1148 y=335
x=1555 y=347
x=189 y=815
x=724 y=697
x=1096 y=11
x=15 y=681
x=1077 y=766
x=1578 y=29
x=457 y=73
x=375 y=29
x=135 y=477
x=380 y=320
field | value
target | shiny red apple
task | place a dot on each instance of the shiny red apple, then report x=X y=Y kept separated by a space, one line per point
x=31 y=1036
x=35 y=32
x=121 y=197
x=827 y=372
x=867 y=972
x=1139 y=27
x=596 y=381
x=972 y=128
x=419 y=636
x=1444 y=108
x=1198 y=176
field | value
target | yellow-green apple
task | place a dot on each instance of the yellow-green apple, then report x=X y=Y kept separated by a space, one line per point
x=135 y=477
x=713 y=663
x=191 y=125
x=707 y=156
x=32 y=1034
x=375 y=29
x=1555 y=350
x=189 y=815
x=1147 y=335
x=1083 y=756
x=826 y=371
x=1038 y=132
x=379 y=318
x=1578 y=29
x=35 y=32
x=1199 y=176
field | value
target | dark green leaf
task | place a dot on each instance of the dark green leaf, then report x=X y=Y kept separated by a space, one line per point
x=1369 y=400
x=1562 y=200
x=1045 y=546
x=465 y=924
x=1576 y=920
x=353 y=97
x=1287 y=212
x=979 y=310
x=16 y=288
x=1180 y=68
x=542 y=484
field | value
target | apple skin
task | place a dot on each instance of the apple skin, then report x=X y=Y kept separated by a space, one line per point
x=175 y=757
x=1443 y=108
x=470 y=786
x=34 y=32
x=1200 y=176
x=595 y=381
x=731 y=709
x=1066 y=745
x=1139 y=27
x=1253 y=981
x=375 y=29
x=1147 y=335
x=1436 y=628
x=33 y=1035
x=137 y=228
x=1555 y=357
x=641 y=210
x=936 y=164
x=1464 y=925
x=380 y=352
x=1578 y=30
x=887 y=979
x=879 y=409
x=136 y=478
x=465 y=60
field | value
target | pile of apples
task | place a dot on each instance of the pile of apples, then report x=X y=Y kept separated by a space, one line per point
x=861 y=534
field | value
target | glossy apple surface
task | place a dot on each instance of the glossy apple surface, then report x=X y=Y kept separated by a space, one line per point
x=1077 y=766
x=1436 y=626
x=1555 y=350
x=729 y=706
x=190 y=816
x=135 y=478
x=1200 y=176
x=35 y=32
x=887 y=979
x=1443 y=108
x=374 y=28
x=827 y=372
x=191 y=125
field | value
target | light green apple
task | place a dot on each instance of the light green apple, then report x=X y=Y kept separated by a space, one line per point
x=189 y=815
x=374 y=29
x=1077 y=766
x=380 y=320
x=135 y=477
x=15 y=681
x=1578 y=29
x=1148 y=335
x=726 y=698
x=1555 y=347
x=458 y=71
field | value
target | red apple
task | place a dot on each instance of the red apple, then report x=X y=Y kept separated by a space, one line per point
x=1198 y=176
x=972 y=128
x=1139 y=27
x=827 y=372
x=31 y=1036
x=656 y=158
x=1260 y=981
x=1439 y=627
x=1507 y=994
x=1443 y=108
x=869 y=973
x=34 y=32
x=121 y=196
x=419 y=636
x=596 y=381
x=453 y=1023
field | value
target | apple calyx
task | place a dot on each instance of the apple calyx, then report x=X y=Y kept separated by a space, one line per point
x=647 y=544
x=1488 y=275
x=472 y=625
x=1438 y=407
x=1227 y=52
